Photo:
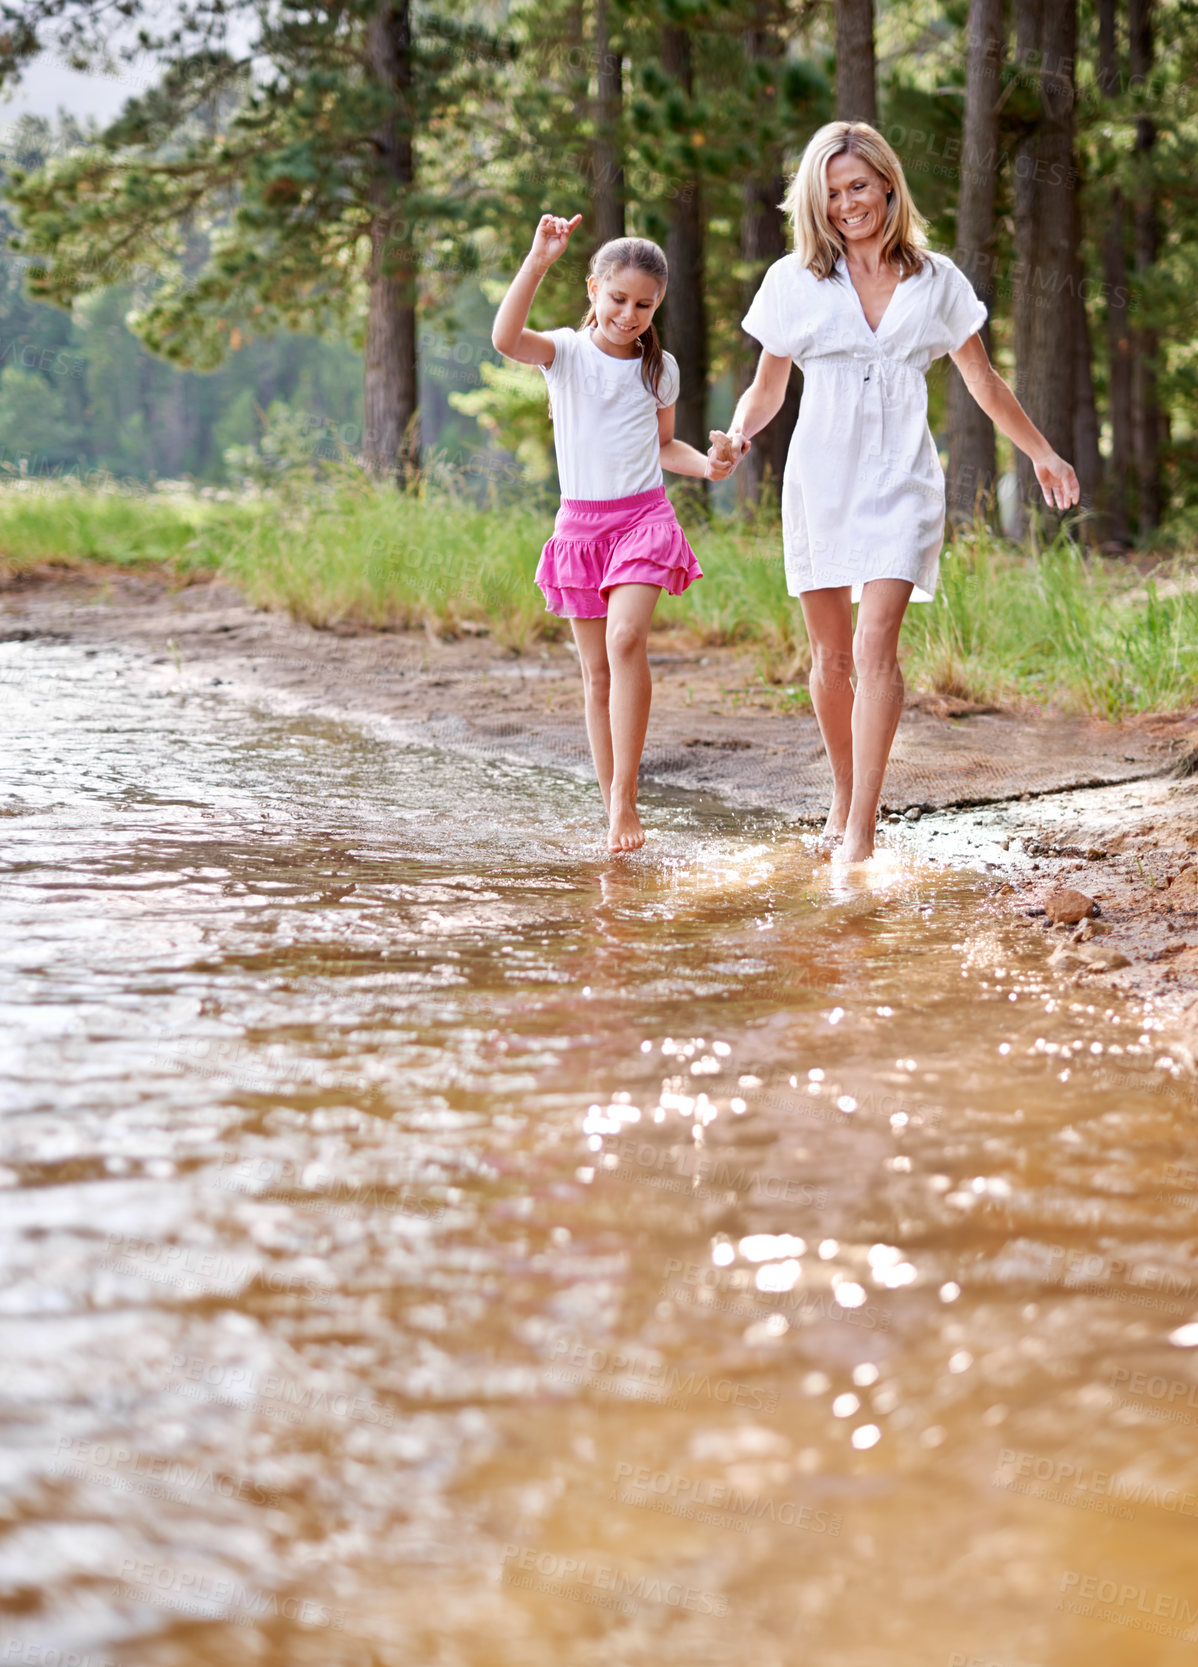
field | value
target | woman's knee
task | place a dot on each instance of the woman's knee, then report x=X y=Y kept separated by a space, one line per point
x=832 y=663
x=875 y=650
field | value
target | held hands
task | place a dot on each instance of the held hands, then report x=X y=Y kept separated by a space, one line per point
x=551 y=237
x=1057 y=481
x=725 y=453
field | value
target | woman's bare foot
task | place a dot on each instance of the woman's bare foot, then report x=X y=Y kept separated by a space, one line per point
x=625 y=832
x=856 y=847
x=838 y=815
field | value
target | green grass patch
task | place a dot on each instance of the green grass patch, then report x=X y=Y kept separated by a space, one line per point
x=1057 y=627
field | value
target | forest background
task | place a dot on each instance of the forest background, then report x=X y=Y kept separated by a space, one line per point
x=289 y=244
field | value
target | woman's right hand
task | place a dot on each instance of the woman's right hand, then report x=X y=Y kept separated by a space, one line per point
x=551 y=237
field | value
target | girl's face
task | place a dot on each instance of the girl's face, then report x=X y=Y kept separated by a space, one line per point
x=856 y=198
x=624 y=303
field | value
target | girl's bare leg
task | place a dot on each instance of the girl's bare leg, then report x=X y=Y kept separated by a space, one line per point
x=828 y=615
x=877 y=708
x=629 y=613
x=590 y=635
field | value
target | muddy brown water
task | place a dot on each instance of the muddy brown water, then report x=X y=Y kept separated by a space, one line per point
x=426 y=1240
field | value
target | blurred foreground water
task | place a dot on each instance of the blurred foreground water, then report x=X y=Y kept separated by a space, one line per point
x=426 y=1240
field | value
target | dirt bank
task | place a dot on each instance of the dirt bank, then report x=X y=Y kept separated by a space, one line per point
x=1064 y=801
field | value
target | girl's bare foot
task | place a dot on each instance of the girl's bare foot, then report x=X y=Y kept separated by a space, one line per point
x=625 y=832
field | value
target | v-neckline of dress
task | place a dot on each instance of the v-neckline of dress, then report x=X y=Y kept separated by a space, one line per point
x=886 y=310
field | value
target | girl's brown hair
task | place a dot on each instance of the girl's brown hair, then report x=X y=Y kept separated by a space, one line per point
x=817 y=242
x=645 y=257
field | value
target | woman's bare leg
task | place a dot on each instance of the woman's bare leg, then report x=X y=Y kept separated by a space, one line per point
x=590 y=635
x=629 y=613
x=828 y=615
x=877 y=707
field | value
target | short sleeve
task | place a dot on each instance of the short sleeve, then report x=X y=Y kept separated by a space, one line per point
x=766 y=318
x=565 y=346
x=671 y=381
x=959 y=311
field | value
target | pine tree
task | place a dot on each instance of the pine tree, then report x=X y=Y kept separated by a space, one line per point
x=290 y=198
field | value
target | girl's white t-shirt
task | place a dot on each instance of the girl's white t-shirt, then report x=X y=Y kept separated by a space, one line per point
x=604 y=418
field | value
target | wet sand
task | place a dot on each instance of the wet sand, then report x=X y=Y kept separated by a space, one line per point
x=1039 y=800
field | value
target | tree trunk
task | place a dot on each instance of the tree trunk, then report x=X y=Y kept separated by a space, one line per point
x=685 y=315
x=1146 y=411
x=389 y=396
x=971 y=457
x=608 y=162
x=763 y=241
x=856 y=79
x=1087 y=459
x=1046 y=265
x=1118 y=325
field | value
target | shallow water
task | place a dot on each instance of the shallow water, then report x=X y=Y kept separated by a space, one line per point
x=426 y=1240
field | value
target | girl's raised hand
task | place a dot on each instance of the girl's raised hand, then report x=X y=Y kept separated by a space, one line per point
x=1057 y=482
x=551 y=237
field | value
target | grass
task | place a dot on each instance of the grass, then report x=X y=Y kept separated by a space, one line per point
x=1057 y=627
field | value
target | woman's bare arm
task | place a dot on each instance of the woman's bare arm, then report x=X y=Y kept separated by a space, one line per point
x=1058 y=482
x=757 y=406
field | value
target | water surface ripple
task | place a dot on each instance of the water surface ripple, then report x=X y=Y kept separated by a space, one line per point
x=426 y=1240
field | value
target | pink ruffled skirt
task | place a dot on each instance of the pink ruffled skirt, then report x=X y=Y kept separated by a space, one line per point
x=598 y=544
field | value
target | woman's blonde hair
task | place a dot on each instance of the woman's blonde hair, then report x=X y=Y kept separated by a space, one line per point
x=817 y=242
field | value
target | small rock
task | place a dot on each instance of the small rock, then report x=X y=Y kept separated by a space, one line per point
x=1106 y=960
x=1067 y=959
x=914 y=813
x=1066 y=908
x=892 y=819
x=1004 y=844
x=1089 y=929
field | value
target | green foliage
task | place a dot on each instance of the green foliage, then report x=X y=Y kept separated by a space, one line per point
x=1063 y=630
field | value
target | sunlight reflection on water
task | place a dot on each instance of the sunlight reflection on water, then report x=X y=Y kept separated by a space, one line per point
x=428 y=1240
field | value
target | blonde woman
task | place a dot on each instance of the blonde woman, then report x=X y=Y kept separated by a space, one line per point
x=863 y=307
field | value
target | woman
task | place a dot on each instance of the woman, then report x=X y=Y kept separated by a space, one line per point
x=863 y=307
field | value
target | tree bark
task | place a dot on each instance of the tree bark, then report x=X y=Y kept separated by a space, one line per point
x=608 y=162
x=1146 y=411
x=1046 y=265
x=1118 y=325
x=856 y=78
x=685 y=316
x=1087 y=458
x=763 y=241
x=390 y=439
x=971 y=455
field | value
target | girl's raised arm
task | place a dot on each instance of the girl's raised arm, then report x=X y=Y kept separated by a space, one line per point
x=509 y=334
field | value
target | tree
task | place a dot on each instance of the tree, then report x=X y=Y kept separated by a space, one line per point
x=763 y=237
x=856 y=77
x=1146 y=411
x=1115 y=292
x=1045 y=228
x=685 y=306
x=287 y=198
x=971 y=456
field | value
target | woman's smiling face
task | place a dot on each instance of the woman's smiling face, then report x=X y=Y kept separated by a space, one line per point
x=856 y=198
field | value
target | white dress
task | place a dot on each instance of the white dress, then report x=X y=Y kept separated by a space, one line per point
x=863 y=490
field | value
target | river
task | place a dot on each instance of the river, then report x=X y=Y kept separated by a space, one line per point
x=428 y=1241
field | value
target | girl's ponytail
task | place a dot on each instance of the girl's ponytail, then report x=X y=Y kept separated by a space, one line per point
x=642 y=256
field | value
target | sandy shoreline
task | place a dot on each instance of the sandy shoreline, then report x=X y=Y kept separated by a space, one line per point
x=1069 y=802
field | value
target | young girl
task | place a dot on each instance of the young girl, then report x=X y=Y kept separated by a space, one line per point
x=616 y=541
x=863 y=306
